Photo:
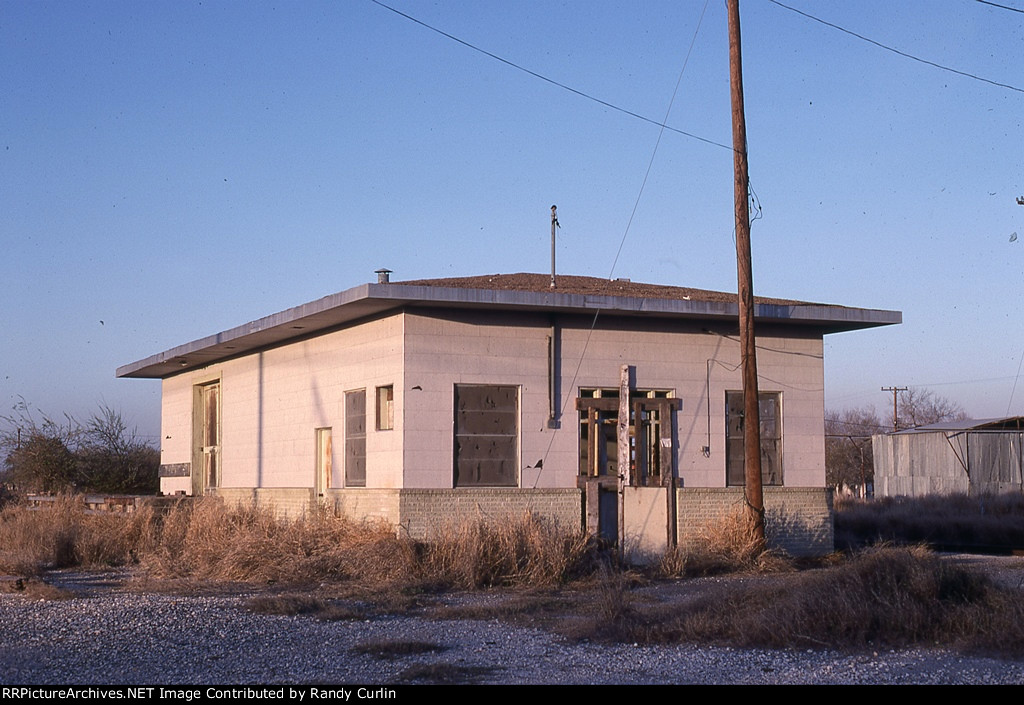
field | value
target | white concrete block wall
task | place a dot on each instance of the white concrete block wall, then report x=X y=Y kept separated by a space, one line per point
x=445 y=348
x=272 y=402
x=176 y=420
x=448 y=348
x=676 y=358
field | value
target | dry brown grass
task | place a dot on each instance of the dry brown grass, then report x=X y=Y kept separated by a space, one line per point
x=890 y=597
x=445 y=674
x=989 y=522
x=34 y=588
x=396 y=648
x=203 y=541
x=66 y=535
x=721 y=546
x=528 y=551
x=293 y=604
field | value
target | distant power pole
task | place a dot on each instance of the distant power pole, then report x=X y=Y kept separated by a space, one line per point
x=895 y=395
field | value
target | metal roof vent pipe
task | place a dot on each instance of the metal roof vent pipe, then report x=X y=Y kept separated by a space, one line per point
x=383 y=276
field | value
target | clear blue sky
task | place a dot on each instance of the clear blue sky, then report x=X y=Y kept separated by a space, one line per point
x=172 y=169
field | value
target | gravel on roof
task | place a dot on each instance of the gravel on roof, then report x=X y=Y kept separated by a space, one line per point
x=592 y=286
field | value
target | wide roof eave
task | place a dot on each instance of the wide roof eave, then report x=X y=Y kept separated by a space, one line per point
x=366 y=300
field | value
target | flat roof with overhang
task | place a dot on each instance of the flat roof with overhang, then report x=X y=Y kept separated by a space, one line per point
x=498 y=292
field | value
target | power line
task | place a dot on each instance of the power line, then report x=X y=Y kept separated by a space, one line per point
x=1014 y=389
x=550 y=80
x=1001 y=7
x=657 y=143
x=597 y=313
x=897 y=51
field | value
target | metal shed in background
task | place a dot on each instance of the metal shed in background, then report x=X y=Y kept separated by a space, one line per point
x=971 y=456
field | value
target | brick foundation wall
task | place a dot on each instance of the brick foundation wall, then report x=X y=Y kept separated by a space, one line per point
x=286 y=502
x=798 y=520
x=425 y=513
x=361 y=504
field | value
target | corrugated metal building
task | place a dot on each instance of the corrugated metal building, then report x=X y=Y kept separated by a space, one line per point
x=971 y=456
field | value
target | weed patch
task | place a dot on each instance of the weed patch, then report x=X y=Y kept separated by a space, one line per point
x=34 y=588
x=527 y=551
x=66 y=535
x=445 y=674
x=724 y=545
x=888 y=596
x=987 y=522
x=396 y=648
x=293 y=605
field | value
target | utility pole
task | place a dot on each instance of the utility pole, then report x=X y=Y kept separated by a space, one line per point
x=753 y=492
x=895 y=395
x=554 y=224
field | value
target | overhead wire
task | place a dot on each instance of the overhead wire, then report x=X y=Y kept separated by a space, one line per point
x=657 y=143
x=636 y=204
x=904 y=54
x=1013 y=390
x=552 y=81
x=1001 y=7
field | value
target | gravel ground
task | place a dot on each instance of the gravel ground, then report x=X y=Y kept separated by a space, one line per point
x=112 y=636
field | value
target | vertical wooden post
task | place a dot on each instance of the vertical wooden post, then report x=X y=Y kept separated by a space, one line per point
x=672 y=528
x=623 y=448
x=753 y=493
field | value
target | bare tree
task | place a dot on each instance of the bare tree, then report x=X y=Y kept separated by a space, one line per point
x=919 y=407
x=38 y=450
x=113 y=457
x=848 y=457
x=849 y=461
x=49 y=455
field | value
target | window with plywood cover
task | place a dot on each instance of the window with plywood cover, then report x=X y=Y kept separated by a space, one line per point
x=486 y=435
x=355 y=438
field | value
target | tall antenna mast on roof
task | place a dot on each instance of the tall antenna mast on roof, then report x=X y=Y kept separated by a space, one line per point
x=554 y=224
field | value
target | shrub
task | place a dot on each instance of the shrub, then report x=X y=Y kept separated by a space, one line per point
x=724 y=545
x=50 y=455
x=949 y=521
x=40 y=461
x=884 y=596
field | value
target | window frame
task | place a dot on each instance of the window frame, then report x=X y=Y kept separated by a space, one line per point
x=385 y=407
x=772 y=435
x=355 y=439
x=469 y=471
x=324 y=460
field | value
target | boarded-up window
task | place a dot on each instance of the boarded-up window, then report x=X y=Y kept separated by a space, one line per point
x=486 y=436
x=770 y=411
x=355 y=438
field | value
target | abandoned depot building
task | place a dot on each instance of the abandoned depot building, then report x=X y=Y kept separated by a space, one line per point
x=425 y=403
